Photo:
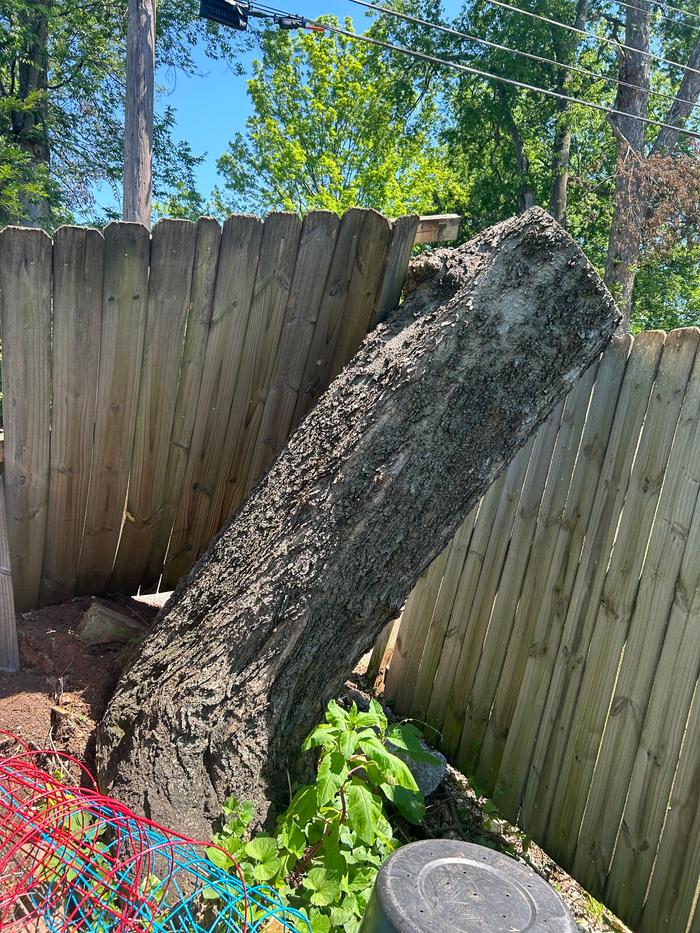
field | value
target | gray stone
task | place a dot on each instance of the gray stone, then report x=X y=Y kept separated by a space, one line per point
x=428 y=775
x=102 y=624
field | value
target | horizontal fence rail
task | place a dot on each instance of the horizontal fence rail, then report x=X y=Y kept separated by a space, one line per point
x=150 y=380
x=555 y=643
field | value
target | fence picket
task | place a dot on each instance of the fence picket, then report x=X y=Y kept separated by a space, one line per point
x=238 y=261
x=319 y=361
x=25 y=299
x=318 y=237
x=78 y=262
x=403 y=236
x=202 y=287
x=278 y=254
x=172 y=257
x=124 y=303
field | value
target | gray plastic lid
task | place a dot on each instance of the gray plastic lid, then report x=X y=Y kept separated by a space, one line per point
x=448 y=885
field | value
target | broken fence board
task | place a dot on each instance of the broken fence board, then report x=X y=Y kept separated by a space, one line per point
x=275 y=271
x=78 y=263
x=238 y=261
x=25 y=298
x=202 y=288
x=124 y=304
x=172 y=257
x=318 y=237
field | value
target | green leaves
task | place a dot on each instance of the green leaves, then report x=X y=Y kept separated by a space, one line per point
x=263 y=851
x=334 y=836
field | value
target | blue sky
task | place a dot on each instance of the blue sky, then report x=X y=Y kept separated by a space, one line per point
x=213 y=105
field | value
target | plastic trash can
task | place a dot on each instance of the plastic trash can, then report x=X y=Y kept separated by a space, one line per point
x=447 y=885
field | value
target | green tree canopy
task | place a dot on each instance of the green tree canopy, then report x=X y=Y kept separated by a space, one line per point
x=337 y=123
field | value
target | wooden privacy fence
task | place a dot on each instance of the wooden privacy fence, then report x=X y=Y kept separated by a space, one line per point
x=149 y=381
x=555 y=643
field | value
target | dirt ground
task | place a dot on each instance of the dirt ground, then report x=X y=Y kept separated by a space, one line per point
x=60 y=694
x=61 y=691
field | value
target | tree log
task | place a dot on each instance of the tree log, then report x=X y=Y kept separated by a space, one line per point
x=291 y=593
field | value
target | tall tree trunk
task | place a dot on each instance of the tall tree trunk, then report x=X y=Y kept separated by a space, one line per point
x=565 y=49
x=526 y=192
x=29 y=125
x=269 y=623
x=626 y=230
x=138 y=114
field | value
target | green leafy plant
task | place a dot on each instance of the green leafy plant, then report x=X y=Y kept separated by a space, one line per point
x=331 y=841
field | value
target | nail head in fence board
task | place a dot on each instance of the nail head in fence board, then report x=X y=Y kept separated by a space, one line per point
x=662 y=732
x=618 y=596
x=172 y=257
x=672 y=897
x=238 y=261
x=9 y=652
x=317 y=373
x=25 y=295
x=318 y=236
x=646 y=631
x=196 y=335
x=529 y=723
x=364 y=287
x=403 y=237
x=125 y=300
x=438 y=228
x=278 y=254
x=593 y=560
x=78 y=263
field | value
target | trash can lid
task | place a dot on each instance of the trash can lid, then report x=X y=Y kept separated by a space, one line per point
x=446 y=884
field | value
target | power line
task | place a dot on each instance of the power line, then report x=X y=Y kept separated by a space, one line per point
x=457 y=66
x=591 y=35
x=665 y=6
x=670 y=19
x=505 y=48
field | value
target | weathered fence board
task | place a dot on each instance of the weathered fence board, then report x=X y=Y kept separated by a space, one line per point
x=25 y=296
x=78 y=259
x=9 y=650
x=172 y=258
x=206 y=261
x=124 y=304
x=571 y=652
x=238 y=262
x=278 y=255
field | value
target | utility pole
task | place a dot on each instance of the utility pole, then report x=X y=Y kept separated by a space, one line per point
x=138 y=123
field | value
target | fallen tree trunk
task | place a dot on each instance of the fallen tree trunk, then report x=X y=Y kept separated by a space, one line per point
x=268 y=624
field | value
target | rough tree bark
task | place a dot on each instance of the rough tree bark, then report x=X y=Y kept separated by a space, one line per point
x=268 y=624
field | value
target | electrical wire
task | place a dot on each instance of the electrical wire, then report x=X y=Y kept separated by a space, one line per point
x=468 y=69
x=592 y=35
x=531 y=55
x=640 y=9
x=665 y=6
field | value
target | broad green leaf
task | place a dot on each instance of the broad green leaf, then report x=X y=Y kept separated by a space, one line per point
x=220 y=859
x=363 y=810
x=266 y=870
x=408 y=738
x=321 y=735
x=261 y=848
x=332 y=774
x=409 y=803
x=394 y=771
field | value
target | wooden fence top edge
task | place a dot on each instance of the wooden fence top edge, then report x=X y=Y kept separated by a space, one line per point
x=432 y=228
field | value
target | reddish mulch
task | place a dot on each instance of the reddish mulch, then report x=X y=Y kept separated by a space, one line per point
x=64 y=685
